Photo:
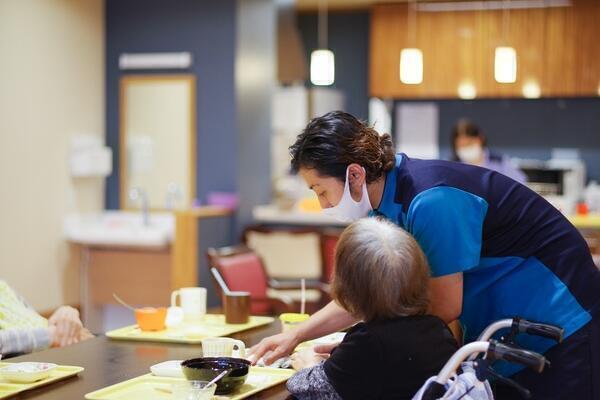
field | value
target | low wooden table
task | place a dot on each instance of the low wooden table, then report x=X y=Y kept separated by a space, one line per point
x=107 y=362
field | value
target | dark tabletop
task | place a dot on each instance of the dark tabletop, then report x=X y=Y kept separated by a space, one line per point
x=107 y=362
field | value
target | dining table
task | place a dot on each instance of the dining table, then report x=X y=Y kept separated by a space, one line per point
x=107 y=362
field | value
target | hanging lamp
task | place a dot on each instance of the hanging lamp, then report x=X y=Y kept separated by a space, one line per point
x=505 y=57
x=411 y=58
x=322 y=60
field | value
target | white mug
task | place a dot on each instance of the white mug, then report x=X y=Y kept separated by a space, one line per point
x=222 y=347
x=193 y=302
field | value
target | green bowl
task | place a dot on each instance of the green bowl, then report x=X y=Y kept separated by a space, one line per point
x=207 y=368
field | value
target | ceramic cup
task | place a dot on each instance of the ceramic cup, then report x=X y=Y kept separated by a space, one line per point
x=222 y=347
x=193 y=302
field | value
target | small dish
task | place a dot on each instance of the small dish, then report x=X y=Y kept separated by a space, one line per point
x=27 y=372
x=150 y=318
x=169 y=369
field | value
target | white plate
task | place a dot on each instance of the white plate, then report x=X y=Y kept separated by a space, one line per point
x=170 y=369
x=27 y=372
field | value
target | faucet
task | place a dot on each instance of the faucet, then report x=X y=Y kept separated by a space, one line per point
x=139 y=193
x=174 y=196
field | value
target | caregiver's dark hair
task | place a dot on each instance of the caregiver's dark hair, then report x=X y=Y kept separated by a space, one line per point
x=337 y=139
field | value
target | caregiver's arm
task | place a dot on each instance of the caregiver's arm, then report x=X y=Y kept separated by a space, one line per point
x=329 y=319
x=446 y=294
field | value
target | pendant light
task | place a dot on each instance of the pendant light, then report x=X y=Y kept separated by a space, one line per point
x=411 y=58
x=505 y=57
x=467 y=90
x=322 y=60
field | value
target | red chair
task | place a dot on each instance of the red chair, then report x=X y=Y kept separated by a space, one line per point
x=329 y=239
x=242 y=270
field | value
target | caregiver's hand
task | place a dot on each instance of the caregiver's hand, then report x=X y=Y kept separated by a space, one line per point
x=274 y=347
x=66 y=326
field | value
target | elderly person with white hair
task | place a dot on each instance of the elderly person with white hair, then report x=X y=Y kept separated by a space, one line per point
x=381 y=278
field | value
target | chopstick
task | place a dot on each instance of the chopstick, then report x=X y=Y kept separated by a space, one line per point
x=164 y=390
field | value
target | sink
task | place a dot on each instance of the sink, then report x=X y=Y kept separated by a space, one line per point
x=120 y=228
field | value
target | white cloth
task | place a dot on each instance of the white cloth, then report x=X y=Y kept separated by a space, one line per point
x=465 y=386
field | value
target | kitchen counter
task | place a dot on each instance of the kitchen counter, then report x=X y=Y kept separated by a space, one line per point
x=271 y=214
x=590 y=221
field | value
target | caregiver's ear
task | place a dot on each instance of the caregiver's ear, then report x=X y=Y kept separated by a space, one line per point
x=356 y=174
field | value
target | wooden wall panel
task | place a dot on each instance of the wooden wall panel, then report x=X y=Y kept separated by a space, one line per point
x=557 y=48
x=587 y=47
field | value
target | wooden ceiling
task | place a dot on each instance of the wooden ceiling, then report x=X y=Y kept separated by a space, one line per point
x=313 y=5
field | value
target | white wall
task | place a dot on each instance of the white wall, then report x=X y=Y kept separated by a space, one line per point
x=51 y=87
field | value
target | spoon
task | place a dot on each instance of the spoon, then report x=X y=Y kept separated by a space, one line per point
x=117 y=298
x=216 y=378
x=220 y=281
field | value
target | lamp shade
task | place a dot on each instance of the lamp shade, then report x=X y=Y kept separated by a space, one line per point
x=411 y=66
x=322 y=67
x=531 y=89
x=505 y=65
x=467 y=90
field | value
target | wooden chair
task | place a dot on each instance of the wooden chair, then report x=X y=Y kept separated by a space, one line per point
x=243 y=270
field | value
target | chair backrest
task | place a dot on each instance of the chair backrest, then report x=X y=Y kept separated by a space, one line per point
x=242 y=270
x=287 y=254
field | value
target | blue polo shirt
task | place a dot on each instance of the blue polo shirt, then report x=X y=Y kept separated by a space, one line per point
x=518 y=254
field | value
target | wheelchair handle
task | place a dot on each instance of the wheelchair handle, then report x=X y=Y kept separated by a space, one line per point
x=534 y=328
x=501 y=351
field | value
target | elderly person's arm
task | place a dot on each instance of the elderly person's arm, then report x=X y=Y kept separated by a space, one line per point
x=25 y=340
x=23 y=330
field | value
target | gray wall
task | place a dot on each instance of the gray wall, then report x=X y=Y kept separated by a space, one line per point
x=530 y=128
x=349 y=40
x=255 y=80
x=207 y=30
x=233 y=47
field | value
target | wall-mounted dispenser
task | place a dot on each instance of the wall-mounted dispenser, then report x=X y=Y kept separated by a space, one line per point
x=89 y=157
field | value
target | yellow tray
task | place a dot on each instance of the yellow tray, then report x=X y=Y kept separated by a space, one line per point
x=332 y=338
x=150 y=387
x=211 y=325
x=8 y=389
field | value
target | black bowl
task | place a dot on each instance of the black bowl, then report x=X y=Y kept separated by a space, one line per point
x=207 y=368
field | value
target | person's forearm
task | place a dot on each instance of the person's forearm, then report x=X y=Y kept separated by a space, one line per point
x=23 y=340
x=331 y=318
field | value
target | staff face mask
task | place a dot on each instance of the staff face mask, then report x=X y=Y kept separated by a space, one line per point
x=348 y=210
x=470 y=154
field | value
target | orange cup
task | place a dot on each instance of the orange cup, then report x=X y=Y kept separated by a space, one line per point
x=150 y=318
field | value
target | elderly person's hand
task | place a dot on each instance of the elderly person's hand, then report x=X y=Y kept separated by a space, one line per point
x=307 y=358
x=85 y=334
x=65 y=327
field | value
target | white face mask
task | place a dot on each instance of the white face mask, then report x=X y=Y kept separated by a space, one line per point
x=470 y=154
x=347 y=209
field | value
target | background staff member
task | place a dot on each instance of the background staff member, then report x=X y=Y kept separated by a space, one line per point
x=495 y=248
x=469 y=145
